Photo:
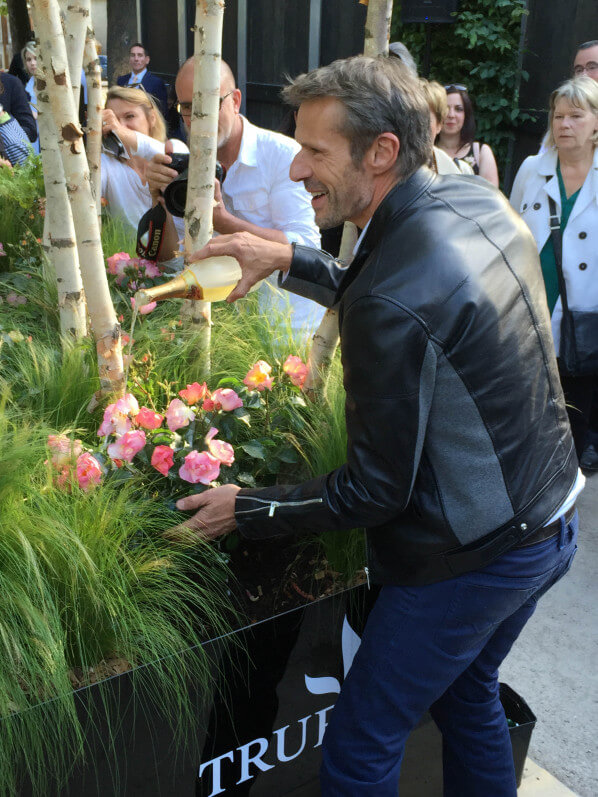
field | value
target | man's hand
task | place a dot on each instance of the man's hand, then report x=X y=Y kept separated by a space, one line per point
x=216 y=511
x=158 y=174
x=257 y=257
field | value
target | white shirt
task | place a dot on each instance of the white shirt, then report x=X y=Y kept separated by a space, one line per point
x=258 y=189
x=127 y=196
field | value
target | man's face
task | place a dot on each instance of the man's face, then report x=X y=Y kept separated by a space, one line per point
x=230 y=103
x=586 y=63
x=340 y=190
x=138 y=60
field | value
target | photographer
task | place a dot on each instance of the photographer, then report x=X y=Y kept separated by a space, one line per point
x=257 y=195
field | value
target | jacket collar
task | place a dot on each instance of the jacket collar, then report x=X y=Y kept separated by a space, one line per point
x=394 y=203
x=547 y=164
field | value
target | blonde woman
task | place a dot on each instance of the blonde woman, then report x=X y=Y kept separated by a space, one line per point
x=133 y=115
x=567 y=173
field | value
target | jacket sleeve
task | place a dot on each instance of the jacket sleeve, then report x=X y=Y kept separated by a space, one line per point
x=519 y=186
x=314 y=274
x=389 y=371
x=21 y=110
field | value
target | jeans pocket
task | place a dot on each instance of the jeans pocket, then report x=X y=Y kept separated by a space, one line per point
x=475 y=612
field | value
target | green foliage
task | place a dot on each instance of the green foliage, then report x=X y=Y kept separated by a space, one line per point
x=88 y=587
x=22 y=207
x=480 y=51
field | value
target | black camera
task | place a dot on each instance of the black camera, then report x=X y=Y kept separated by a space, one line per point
x=175 y=193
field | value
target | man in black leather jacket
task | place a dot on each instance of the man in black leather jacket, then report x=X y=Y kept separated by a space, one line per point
x=460 y=460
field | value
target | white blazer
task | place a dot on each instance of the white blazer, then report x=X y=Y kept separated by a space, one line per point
x=529 y=197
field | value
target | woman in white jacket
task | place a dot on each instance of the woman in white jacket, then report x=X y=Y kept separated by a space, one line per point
x=567 y=171
x=134 y=116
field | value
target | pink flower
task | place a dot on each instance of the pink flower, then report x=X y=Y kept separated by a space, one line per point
x=2 y=252
x=222 y=399
x=163 y=459
x=223 y=452
x=89 y=472
x=148 y=418
x=63 y=450
x=15 y=299
x=150 y=268
x=295 y=369
x=194 y=393
x=116 y=416
x=145 y=308
x=178 y=415
x=258 y=377
x=129 y=444
x=118 y=263
x=200 y=467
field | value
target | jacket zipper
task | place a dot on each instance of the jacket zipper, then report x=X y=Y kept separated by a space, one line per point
x=273 y=505
x=367 y=559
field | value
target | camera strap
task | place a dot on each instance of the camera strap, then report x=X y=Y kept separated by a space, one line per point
x=150 y=232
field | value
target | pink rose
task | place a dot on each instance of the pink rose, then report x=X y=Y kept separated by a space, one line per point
x=200 y=467
x=223 y=452
x=151 y=269
x=194 y=393
x=116 y=416
x=163 y=459
x=145 y=308
x=148 y=418
x=15 y=299
x=295 y=369
x=129 y=444
x=89 y=472
x=178 y=415
x=2 y=252
x=118 y=263
x=258 y=377
x=63 y=450
x=222 y=399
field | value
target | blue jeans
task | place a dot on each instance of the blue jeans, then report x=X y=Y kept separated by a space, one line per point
x=438 y=648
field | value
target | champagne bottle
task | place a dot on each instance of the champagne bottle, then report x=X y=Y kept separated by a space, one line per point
x=210 y=280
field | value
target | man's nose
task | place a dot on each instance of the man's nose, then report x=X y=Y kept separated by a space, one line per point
x=300 y=169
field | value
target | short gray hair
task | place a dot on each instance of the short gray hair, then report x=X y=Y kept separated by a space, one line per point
x=579 y=91
x=380 y=95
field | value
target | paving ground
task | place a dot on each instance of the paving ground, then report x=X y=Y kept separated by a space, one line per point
x=554 y=667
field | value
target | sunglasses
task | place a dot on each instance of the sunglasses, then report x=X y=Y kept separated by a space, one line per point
x=455 y=87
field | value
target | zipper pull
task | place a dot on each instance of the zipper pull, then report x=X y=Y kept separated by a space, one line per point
x=367 y=575
x=273 y=505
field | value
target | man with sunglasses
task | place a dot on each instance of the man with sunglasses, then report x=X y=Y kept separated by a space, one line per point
x=257 y=195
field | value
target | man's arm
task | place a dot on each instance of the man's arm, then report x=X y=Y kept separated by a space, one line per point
x=390 y=380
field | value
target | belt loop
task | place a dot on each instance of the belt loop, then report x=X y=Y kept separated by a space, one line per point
x=562 y=541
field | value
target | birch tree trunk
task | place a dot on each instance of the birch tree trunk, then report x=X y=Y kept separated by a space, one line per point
x=70 y=140
x=59 y=232
x=202 y=159
x=93 y=73
x=76 y=18
x=326 y=337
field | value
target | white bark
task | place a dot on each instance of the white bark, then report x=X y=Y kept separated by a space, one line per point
x=59 y=232
x=76 y=16
x=105 y=326
x=202 y=147
x=325 y=339
x=377 y=27
x=93 y=73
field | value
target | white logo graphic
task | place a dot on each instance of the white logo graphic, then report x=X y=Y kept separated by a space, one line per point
x=325 y=685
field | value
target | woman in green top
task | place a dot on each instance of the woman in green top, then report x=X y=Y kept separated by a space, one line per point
x=567 y=172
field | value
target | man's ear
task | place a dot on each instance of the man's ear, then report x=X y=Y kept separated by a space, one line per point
x=237 y=96
x=384 y=152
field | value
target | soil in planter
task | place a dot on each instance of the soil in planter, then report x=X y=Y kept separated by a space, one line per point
x=275 y=575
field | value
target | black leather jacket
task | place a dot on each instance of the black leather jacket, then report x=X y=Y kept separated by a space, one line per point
x=458 y=441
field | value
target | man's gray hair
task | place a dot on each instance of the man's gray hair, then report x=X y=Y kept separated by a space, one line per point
x=380 y=95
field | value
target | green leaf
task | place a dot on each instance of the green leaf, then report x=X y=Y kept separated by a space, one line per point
x=288 y=455
x=254 y=449
x=246 y=478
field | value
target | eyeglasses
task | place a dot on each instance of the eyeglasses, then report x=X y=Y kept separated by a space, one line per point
x=184 y=108
x=455 y=87
x=591 y=66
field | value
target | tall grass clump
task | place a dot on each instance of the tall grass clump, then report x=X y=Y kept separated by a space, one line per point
x=89 y=585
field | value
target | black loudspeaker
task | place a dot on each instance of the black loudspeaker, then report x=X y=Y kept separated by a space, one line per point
x=428 y=11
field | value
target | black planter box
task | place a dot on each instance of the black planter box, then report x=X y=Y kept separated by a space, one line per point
x=261 y=737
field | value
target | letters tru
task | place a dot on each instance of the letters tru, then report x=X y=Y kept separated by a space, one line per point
x=254 y=751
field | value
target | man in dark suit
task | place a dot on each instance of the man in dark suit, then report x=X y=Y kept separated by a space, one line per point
x=139 y=75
